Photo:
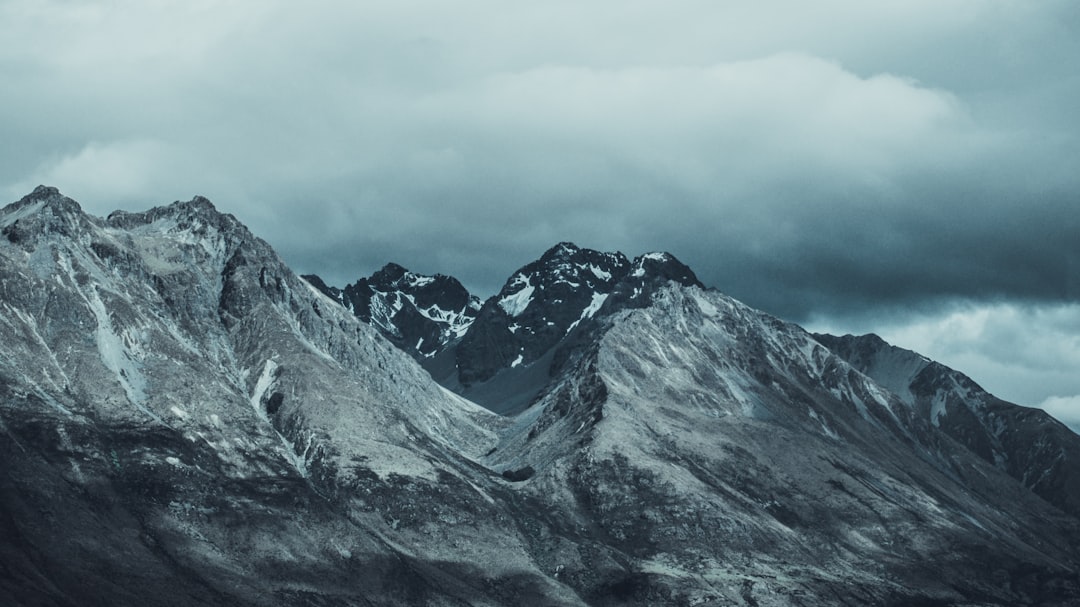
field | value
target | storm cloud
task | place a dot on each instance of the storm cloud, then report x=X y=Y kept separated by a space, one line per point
x=840 y=163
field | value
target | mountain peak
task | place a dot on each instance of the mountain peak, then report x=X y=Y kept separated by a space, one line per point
x=199 y=204
x=44 y=191
x=546 y=301
x=43 y=211
x=664 y=266
x=389 y=274
x=44 y=196
x=418 y=313
x=561 y=250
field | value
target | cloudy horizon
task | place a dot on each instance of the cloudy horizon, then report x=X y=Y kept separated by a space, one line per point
x=906 y=168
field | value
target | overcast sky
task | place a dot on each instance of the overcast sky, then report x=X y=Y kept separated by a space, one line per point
x=905 y=167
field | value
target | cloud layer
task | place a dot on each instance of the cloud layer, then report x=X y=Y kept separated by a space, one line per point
x=842 y=160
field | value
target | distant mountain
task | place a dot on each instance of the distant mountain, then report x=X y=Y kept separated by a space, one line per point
x=420 y=314
x=545 y=301
x=1028 y=444
x=184 y=421
x=501 y=354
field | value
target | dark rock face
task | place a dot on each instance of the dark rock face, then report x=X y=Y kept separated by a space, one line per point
x=185 y=421
x=526 y=332
x=545 y=301
x=419 y=314
x=1029 y=445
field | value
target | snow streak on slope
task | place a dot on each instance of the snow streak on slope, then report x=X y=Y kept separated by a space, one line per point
x=516 y=303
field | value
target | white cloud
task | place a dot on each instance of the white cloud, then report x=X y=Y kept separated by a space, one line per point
x=120 y=172
x=1065 y=408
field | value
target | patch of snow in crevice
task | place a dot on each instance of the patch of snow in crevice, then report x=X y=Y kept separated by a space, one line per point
x=517 y=361
x=707 y=308
x=824 y=427
x=117 y=356
x=882 y=399
x=599 y=273
x=457 y=322
x=594 y=306
x=382 y=314
x=937 y=408
x=516 y=303
x=415 y=280
x=47 y=398
x=973 y=521
x=26 y=211
x=264 y=384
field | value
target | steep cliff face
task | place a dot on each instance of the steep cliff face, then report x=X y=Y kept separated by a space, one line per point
x=183 y=420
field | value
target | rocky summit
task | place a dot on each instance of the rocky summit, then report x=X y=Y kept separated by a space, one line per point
x=184 y=421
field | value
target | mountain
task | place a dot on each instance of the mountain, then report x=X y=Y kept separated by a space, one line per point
x=1029 y=445
x=545 y=301
x=502 y=353
x=186 y=421
x=420 y=314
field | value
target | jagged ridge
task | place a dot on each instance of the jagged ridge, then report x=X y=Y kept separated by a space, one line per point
x=1028 y=444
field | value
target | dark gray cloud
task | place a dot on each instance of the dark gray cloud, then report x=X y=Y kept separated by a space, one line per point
x=842 y=162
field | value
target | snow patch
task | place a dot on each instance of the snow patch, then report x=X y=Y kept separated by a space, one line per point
x=599 y=273
x=707 y=308
x=263 y=385
x=116 y=355
x=516 y=303
x=590 y=310
x=26 y=211
x=415 y=280
x=937 y=408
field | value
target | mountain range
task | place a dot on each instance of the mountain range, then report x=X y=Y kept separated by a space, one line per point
x=184 y=420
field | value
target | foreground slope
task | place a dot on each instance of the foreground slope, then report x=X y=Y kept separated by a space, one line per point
x=184 y=421
x=723 y=451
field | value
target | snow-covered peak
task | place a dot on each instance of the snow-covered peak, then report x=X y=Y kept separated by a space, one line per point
x=419 y=313
x=548 y=300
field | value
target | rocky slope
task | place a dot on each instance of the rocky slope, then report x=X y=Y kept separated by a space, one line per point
x=186 y=421
x=183 y=420
x=1029 y=445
